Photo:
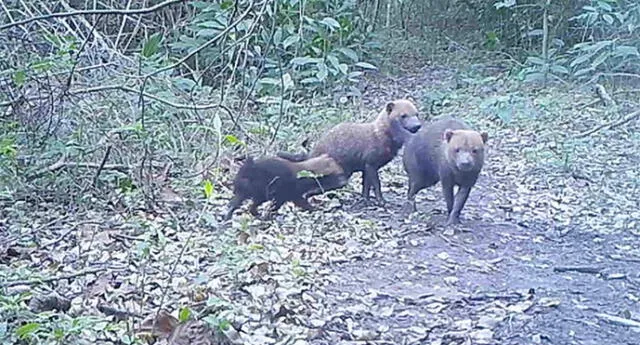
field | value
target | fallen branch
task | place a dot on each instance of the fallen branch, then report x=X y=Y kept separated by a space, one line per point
x=118 y=314
x=610 y=125
x=52 y=279
x=580 y=269
x=91 y=12
x=619 y=320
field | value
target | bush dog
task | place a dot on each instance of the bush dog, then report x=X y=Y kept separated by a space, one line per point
x=365 y=147
x=445 y=150
x=277 y=179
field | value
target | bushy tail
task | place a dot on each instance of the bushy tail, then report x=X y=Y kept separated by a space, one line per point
x=310 y=186
x=293 y=157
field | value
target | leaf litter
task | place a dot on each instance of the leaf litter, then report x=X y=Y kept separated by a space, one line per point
x=347 y=275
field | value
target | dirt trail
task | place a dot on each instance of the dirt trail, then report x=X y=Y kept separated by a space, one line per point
x=498 y=279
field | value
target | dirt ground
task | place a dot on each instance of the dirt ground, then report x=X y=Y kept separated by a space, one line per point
x=509 y=274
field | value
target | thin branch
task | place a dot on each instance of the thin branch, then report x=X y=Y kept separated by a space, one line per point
x=101 y=167
x=150 y=96
x=52 y=279
x=630 y=117
x=92 y=12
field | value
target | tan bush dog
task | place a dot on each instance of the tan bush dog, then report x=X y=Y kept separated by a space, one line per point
x=445 y=150
x=365 y=147
x=277 y=179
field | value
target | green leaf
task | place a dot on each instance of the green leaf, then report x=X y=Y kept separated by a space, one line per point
x=506 y=4
x=605 y=6
x=536 y=60
x=309 y=80
x=300 y=61
x=600 y=59
x=184 y=314
x=233 y=140
x=306 y=173
x=208 y=189
x=535 y=76
x=583 y=71
x=19 y=77
x=291 y=40
x=559 y=69
x=217 y=123
x=350 y=53
x=331 y=23
x=343 y=68
x=596 y=47
x=207 y=33
x=287 y=81
x=366 y=65
x=226 y=4
x=151 y=45
x=26 y=330
x=323 y=72
x=625 y=51
x=212 y=24
x=334 y=61
x=535 y=32
x=581 y=59
x=277 y=36
x=256 y=246
x=269 y=81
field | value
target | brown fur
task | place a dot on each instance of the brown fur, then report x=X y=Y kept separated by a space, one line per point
x=366 y=147
x=276 y=179
x=448 y=151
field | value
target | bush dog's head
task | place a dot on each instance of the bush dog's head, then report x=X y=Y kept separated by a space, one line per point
x=465 y=148
x=404 y=113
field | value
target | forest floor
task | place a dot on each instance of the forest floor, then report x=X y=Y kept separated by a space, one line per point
x=534 y=262
x=548 y=251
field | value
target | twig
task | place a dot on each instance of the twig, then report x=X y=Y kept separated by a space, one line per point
x=61 y=164
x=104 y=161
x=610 y=125
x=91 y=12
x=57 y=240
x=52 y=279
x=75 y=226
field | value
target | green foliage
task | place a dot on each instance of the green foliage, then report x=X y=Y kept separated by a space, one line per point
x=614 y=28
x=301 y=45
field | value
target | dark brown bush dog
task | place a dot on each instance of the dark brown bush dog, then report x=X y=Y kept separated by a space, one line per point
x=365 y=147
x=445 y=150
x=277 y=179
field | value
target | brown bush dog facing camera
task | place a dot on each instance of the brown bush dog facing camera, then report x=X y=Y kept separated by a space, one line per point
x=277 y=179
x=365 y=147
x=445 y=150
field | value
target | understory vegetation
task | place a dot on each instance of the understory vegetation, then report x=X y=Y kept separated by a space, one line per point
x=122 y=124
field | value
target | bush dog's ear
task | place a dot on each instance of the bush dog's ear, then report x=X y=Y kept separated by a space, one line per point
x=389 y=108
